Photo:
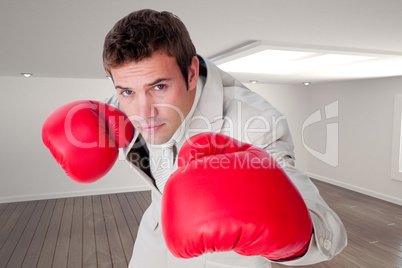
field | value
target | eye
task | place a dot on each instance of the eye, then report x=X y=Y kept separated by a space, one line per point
x=159 y=87
x=126 y=92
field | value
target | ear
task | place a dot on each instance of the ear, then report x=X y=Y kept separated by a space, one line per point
x=193 y=71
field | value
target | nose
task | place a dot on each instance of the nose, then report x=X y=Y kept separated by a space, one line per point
x=146 y=108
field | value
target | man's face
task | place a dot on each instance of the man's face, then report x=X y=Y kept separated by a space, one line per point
x=154 y=95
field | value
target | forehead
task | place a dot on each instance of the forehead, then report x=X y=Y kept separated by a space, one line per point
x=158 y=64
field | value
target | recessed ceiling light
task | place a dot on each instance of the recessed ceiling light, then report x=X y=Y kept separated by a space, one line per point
x=27 y=74
x=306 y=83
x=253 y=81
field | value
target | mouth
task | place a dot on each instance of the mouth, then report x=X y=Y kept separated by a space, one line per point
x=150 y=128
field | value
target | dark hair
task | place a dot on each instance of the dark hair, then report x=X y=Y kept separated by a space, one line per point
x=138 y=35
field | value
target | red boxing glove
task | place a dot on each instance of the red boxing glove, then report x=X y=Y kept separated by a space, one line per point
x=228 y=195
x=84 y=137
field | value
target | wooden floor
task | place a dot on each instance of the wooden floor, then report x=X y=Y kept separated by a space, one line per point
x=99 y=231
x=374 y=229
x=96 y=231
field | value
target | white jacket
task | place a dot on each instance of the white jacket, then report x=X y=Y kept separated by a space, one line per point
x=228 y=107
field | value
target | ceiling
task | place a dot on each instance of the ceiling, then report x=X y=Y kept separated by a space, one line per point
x=59 y=38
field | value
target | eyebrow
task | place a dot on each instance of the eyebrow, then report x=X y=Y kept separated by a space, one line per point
x=157 y=81
x=122 y=88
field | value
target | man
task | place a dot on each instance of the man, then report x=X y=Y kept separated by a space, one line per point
x=171 y=94
x=208 y=148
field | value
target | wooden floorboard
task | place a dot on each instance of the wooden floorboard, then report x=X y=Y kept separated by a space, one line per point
x=57 y=241
x=9 y=222
x=116 y=247
x=100 y=231
x=33 y=253
x=76 y=235
x=126 y=239
x=129 y=216
x=102 y=243
x=14 y=237
x=88 y=235
x=26 y=238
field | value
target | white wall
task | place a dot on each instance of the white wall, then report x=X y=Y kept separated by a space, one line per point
x=293 y=102
x=28 y=170
x=365 y=125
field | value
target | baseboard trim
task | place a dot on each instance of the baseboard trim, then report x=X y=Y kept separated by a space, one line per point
x=361 y=190
x=45 y=196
